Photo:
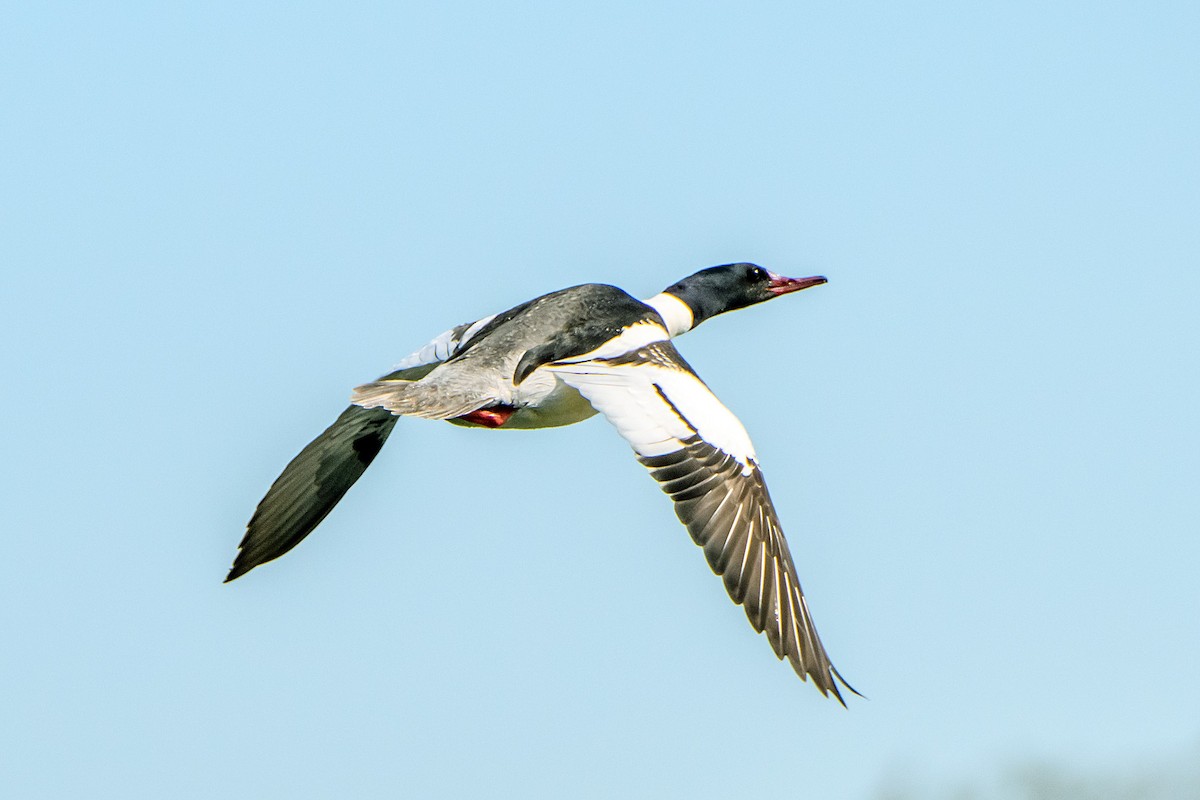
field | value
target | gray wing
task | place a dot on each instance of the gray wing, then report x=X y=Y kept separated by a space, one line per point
x=700 y=454
x=316 y=479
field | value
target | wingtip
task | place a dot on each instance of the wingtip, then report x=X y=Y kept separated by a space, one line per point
x=236 y=572
x=839 y=679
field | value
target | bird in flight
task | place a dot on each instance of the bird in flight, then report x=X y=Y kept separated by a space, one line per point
x=559 y=359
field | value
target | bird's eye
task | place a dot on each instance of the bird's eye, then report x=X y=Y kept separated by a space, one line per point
x=757 y=274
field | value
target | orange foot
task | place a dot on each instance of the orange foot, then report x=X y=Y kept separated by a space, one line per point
x=492 y=417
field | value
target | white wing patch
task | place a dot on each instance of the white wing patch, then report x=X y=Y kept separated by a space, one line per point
x=655 y=408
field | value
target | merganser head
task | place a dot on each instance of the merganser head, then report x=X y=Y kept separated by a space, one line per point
x=729 y=287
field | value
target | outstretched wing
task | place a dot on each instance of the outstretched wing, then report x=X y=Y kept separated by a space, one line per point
x=316 y=479
x=311 y=485
x=702 y=457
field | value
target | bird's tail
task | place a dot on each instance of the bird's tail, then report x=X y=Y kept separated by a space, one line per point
x=424 y=398
x=311 y=485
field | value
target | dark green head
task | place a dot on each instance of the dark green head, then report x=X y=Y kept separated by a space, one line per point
x=729 y=287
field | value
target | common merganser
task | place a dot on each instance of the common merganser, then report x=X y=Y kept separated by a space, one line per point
x=559 y=359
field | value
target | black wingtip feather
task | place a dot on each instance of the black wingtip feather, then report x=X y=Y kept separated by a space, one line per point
x=236 y=573
x=311 y=485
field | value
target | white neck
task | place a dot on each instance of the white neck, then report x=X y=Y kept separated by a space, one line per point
x=674 y=312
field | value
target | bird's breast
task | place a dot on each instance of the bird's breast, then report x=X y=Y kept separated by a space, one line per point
x=541 y=401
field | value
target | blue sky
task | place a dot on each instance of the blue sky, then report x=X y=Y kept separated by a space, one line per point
x=982 y=435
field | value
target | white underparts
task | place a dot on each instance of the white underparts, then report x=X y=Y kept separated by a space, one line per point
x=676 y=313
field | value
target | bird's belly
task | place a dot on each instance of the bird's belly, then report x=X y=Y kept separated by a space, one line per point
x=542 y=401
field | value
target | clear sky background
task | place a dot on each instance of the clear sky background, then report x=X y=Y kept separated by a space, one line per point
x=982 y=435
